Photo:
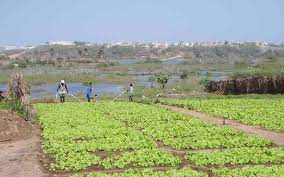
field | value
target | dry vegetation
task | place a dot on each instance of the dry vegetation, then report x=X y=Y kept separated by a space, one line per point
x=20 y=90
x=252 y=84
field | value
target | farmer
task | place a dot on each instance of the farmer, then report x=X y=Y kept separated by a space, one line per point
x=130 y=93
x=89 y=92
x=62 y=90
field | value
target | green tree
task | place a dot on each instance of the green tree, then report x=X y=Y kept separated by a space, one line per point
x=162 y=78
x=270 y=56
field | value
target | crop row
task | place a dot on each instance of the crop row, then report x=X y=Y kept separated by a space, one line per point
x=185 y=172
x=244 y=155
x=265 y=112
x=256 y=171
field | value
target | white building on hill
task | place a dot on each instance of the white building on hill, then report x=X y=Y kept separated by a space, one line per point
x=60 y=43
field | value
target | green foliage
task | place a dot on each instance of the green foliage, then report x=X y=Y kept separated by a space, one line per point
x=26 y=62
x=184 y=172
x=93 y=128
x=180 y=131
x=142 y=157
x=205 y=82
x=15 y=106
x=184 y=75
x=106 y=64
x=271 y=57
x=265 y=112
x=256 y=171
x=162 y=78
x=257 y=72
x=129 y=132
x=87 y=82
x=244 y=155
x=102 y=65
x=152 y=60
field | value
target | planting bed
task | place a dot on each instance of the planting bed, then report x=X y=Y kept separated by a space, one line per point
x=131 y=139
x=265 y=112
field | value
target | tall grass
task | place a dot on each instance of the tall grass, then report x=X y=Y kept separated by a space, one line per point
x=14 y=106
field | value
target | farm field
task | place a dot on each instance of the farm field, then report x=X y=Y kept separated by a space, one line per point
x=143 y=140
x=263 y=112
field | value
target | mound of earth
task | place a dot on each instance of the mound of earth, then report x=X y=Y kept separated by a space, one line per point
x=13 y=127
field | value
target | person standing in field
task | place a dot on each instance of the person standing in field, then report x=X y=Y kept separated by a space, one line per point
x=62 y=90
x=89 y=91
x=130 y=93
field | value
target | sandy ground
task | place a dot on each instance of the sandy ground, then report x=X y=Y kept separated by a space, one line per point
x=277 y=138
x=19 y=147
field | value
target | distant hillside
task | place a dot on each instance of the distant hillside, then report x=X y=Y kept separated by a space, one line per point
x=243 y=53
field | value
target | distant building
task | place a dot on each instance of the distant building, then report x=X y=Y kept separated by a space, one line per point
x=60 y=43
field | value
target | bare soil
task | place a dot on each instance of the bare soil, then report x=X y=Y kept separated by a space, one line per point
x=276 y=138
x=19 y=147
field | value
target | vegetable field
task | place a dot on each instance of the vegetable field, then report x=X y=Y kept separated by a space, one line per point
x=129 y=139
x=265 y=112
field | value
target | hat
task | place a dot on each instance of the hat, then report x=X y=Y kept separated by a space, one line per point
x=62 y=82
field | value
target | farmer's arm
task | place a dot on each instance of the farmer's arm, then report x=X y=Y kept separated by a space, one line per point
x=58 y=87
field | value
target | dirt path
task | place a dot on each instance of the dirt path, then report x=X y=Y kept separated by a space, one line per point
x=277 y=138
x=19 y=147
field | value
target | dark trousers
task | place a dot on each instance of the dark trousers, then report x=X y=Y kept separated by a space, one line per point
x=131 y=98
x=62 y=98
x=89 y=98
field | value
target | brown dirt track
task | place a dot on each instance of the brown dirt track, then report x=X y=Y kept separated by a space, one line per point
x=276 y=138
x=19 y=147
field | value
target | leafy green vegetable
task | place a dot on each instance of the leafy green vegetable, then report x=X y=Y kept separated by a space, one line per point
x=74 y=134
x=265 y=112
x=184 y=172
x=238 y=156
x=256 y=171
x=143 y=157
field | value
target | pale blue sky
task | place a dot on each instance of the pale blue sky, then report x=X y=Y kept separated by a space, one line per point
x=37 y=21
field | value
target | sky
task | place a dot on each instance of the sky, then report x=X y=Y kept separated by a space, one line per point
x=38 y=21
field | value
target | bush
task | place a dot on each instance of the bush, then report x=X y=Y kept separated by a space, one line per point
x=152 y=60
x=102 y=65
x=15 y=106
x=87 y=82
x=162 y=78
x=184 y=75
x=205 y=82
